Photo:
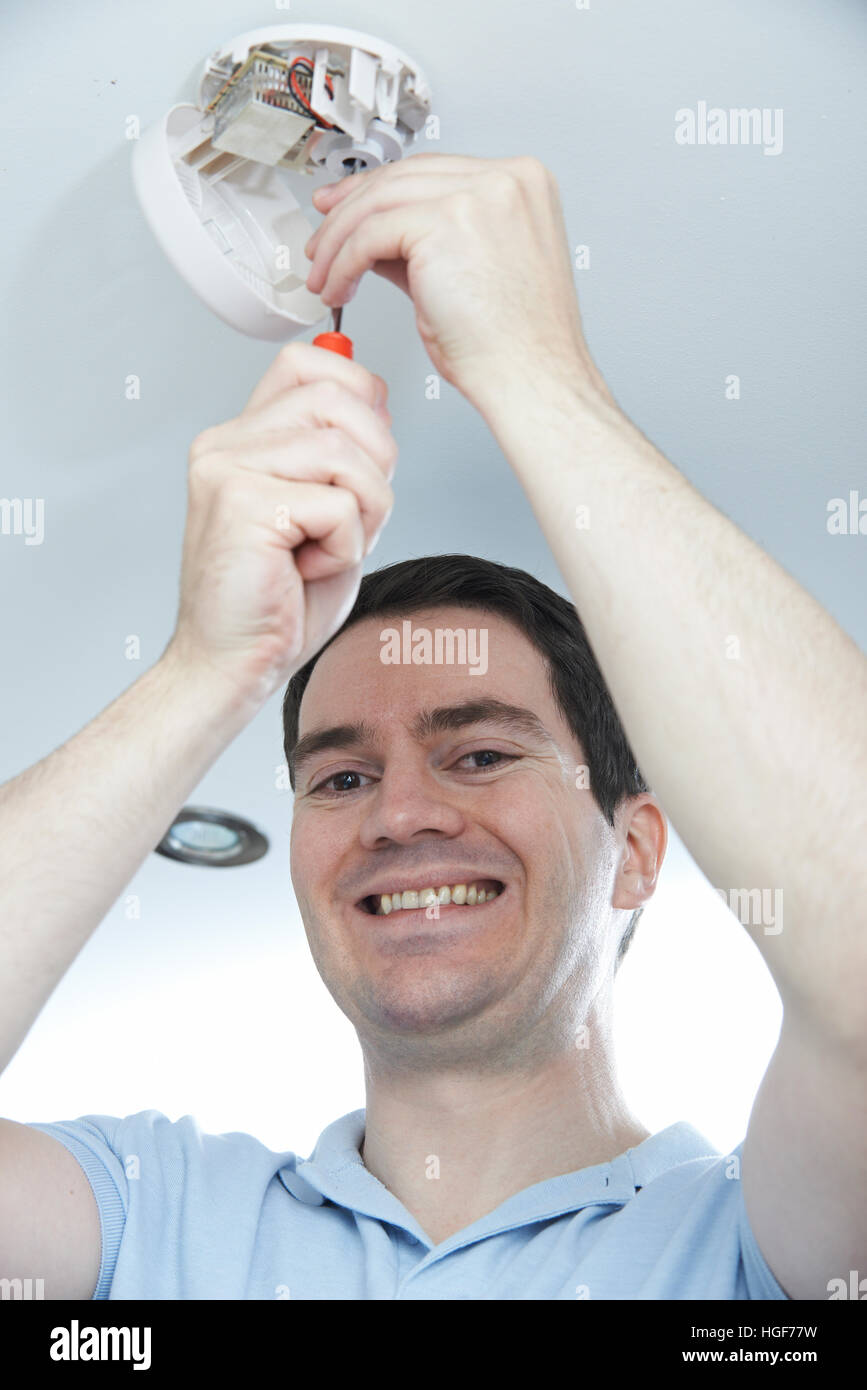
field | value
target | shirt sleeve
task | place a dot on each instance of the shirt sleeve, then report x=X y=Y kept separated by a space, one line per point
x=92 y=1140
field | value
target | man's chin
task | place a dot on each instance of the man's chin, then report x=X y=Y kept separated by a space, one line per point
x=422 y=1009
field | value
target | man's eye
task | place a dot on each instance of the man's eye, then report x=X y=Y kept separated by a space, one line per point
x=337 y=777
x=339 y=783
x=489 y=753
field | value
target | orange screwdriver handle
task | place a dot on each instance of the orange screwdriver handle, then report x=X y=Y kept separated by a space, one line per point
x=335 y=342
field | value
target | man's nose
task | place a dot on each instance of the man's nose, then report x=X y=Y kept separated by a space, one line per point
x=409 y=802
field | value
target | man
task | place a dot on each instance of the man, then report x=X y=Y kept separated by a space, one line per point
x=495 y=1157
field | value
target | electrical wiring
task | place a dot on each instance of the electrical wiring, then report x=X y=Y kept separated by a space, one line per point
x=297 y=97
x=302 y=96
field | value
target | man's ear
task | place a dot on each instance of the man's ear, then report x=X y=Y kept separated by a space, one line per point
x=644 y=831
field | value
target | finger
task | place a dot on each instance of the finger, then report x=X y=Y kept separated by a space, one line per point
x=320 y=522
x=328 y=194
x=343 y=219
x=427 y=165
x=334 y=538
x=324 y=457
x=383 y=236
x=320 y=403
x=298 y=363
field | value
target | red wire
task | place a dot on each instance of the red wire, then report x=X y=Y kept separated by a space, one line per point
x=329 y=87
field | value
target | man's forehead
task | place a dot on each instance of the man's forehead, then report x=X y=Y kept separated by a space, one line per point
x=397 y=669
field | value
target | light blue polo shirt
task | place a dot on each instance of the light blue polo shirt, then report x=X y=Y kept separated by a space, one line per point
x=186 y=1214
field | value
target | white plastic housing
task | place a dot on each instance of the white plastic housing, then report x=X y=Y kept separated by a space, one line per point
x=222 y=189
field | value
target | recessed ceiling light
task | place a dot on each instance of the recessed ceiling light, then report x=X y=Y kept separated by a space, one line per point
x=202 y=835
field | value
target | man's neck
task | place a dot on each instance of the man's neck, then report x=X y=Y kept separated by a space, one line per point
x=453 y=1146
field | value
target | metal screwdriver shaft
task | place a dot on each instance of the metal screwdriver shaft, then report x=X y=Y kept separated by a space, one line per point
x=335 y=341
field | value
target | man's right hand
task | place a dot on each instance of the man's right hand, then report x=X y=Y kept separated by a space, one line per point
x=284 y=502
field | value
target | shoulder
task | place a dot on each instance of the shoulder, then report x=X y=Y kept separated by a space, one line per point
x=153 y=1150
x=688 y=1214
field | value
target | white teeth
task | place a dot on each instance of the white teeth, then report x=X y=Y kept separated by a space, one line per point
x=472 y=894
x=444 y=895
x=385 y=903
x=427 y=897
x=409 y=899
x=459 y=893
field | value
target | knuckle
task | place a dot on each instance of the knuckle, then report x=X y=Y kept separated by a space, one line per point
x=237 y=494
x=203 y=475
x=328 y=392
x=347 y=502
x=462 y=206
x=532 y=166
x=331 y=443
x=201 y=445
x=289 y=355
x=503 y=182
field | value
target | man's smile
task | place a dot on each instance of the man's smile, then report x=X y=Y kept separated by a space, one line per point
x=470 y=893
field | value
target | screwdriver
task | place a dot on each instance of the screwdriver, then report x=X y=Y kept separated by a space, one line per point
x=336 y=341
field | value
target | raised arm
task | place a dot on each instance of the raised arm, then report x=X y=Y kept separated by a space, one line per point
x=284 y=502
x=743 y=700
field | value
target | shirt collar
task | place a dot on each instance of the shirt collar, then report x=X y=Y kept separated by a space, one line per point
x=335 y=1172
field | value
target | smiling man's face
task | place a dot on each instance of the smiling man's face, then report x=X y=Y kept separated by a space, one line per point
x=420 y=798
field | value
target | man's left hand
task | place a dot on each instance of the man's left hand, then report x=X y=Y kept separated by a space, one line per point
x=480 y=247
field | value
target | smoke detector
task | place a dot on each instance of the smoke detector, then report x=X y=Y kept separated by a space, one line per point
x=225 y=184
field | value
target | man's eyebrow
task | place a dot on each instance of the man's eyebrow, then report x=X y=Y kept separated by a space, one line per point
x=338 y=736
x=434 y=721
x=488 y=711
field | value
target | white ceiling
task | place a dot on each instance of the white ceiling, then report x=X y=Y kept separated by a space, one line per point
x=705 y=261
